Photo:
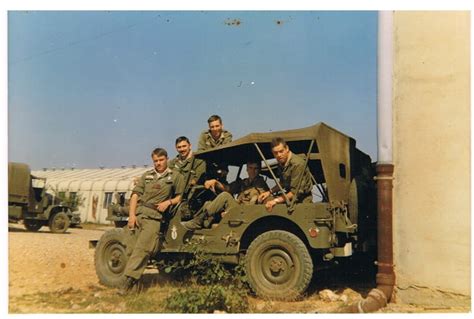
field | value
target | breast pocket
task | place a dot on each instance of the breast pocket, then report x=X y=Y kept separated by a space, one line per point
x=149 y=185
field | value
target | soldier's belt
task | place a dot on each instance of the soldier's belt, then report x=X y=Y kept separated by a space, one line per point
x=151 y=206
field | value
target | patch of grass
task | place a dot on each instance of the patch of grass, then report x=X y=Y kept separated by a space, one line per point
x=92 y=300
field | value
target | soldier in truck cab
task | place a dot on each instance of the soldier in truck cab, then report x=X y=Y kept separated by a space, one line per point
x=247 y=189
x=291 y=168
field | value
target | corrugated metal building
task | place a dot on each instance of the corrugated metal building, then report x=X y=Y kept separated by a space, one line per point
x=100 y=187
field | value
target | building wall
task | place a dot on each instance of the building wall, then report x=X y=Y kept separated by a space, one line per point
x=90 y=183
x=431 y=118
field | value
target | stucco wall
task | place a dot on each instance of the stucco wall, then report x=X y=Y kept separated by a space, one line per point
x=431 y=117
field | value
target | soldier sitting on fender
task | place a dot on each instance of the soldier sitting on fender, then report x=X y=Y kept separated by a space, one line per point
x=156 y=191
x=247 y=189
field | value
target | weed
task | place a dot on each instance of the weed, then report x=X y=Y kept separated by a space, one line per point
x=216 y=286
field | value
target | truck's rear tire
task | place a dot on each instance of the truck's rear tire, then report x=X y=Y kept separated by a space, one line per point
x=59 y=223
x=111 y=258
x=278 y=265
x=32 y=224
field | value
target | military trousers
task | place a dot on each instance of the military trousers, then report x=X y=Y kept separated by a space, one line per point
x=142 y=243
x=223 y=202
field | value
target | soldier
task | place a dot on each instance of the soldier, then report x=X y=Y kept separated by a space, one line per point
x=247 y=189
x=290 y=169
x=183 y=162
x=215 y=136
x=156 y=191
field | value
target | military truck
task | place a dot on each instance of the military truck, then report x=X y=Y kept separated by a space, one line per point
x=29 y=202
x=118 y=214
x=281 y=250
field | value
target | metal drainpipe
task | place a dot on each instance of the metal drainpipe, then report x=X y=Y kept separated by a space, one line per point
x=380 y=296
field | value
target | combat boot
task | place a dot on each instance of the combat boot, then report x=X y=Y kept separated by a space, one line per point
x=195 y=223
x=128 y=286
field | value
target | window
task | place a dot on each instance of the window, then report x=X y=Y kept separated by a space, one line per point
x=60 y=198
x=107 y=199
x=121 y=198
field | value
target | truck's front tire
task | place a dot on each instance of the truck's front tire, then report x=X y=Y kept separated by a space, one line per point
x=59 y=223
x=111 y=258
x=278 y=265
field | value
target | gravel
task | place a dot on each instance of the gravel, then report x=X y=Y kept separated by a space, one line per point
x=43 y=262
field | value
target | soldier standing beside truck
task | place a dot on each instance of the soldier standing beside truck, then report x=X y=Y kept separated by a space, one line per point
x=290 y=169
x=156 y=191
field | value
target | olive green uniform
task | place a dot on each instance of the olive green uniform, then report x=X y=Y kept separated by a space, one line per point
x=290 y=175
x=206 y=141
x=196 y=168
x=248 y=194
x=142 y=242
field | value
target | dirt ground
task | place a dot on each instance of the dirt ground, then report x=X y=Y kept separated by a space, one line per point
x=62 y=265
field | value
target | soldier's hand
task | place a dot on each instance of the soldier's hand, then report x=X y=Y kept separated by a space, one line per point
x=210 y=184
x=163 y=206
x=269 y=205
x=132 y=222
x=263 y=196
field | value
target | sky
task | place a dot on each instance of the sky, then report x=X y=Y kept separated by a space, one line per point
x=104 y=88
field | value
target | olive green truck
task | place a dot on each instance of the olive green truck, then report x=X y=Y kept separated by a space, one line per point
x=284 y=249
x=29 y=202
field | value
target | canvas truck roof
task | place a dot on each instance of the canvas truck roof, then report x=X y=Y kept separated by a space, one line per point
x=241 y=150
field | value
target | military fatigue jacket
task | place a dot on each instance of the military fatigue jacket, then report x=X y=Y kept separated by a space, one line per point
x=197 y=169
x=153 y=189
x=290 y=175
x=248 y=190
x=206 y=141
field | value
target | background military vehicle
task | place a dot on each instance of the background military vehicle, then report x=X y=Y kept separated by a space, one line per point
x=282 y=249
x=29 y=202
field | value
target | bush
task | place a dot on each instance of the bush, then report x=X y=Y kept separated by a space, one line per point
x=216 y=287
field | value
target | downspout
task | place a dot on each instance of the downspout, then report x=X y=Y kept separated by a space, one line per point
x=380 y=296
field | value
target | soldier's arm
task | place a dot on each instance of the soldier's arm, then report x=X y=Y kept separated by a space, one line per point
x=267 y=193
x=280 y=199
x=179 y=187
x=199 y=170
x=215 y=185
x=178 y=190
x=227 y=138
x=202 y=142
x=136 y=193
x=297 y=175
x=132 y=216
x=171 y=163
